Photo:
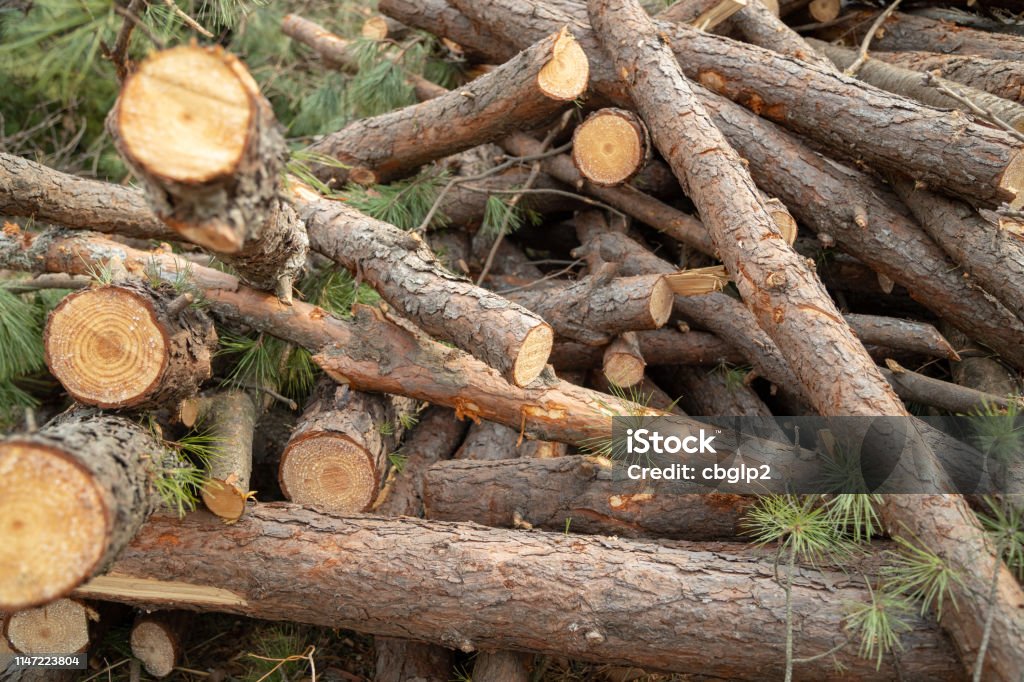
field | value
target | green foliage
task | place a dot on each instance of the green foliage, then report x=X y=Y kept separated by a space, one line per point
x=735 y=375
x=181 y=475
x=798 y=526
x=21 y=352
x=878 y=624
x=404 y=203
x=334 y=290
x=407 y=420
x=398 y=461
x=919 y=574
x=632 y=403
x=856 y=514
x=275 y=645
x=258 y=358
x=380 y=85
x=1005 y=524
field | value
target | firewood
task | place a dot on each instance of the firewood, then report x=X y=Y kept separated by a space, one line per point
x=81 y=484
x=646 y=392
x=157 y=639
x=825 y=10
x=215 y=179
x=760 y=26
x=124 y=345
x=1001 y=77
x=974 y=368
x=610 y=147
x=623 y=364
x=909 y=335
x=383 y=28
x=706 y=15
x=588 y=598
x=525 y=92
x=500 y=666
x=580 y=492
x=491 y=441
x=708 y=391
x=923 y=389
x=903 y=32
x=402 y=660
x=230 y=418
x=337 y=458
x=62 y=626
x=664 y=346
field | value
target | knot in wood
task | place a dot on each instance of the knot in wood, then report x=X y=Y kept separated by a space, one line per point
x=776 y=279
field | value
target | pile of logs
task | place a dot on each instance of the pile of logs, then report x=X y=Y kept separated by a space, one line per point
x=840 y=214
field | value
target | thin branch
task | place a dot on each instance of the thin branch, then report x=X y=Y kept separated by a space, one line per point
x=189 y=21
x=119 y=54
x=551 y=275
x=981 y=112
x=292 y=405
x=862 y=55
x=556 y=192
x=141 y=25
x=47 y=281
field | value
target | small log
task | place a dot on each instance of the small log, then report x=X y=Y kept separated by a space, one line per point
x=157 y=640
x=337 y=457
x=230 y=418
x=761 y=26
x=944 y=395
x=623 y=363
x=122 y=346
x=706 y=15
x=1001 y=77
x=501 y=666
x=61 y=626
x=450 y=24
x=595 y=309
x=974 y=368
x=903 y=32
x=403 y=660
x=825 y=10
x=610 y=147
x=525 y=92
x=81 y=484
x=907 y=335
x=664 y=346
x=491 y=441
x=709 y=391
x=216 y=178
x=383 y=28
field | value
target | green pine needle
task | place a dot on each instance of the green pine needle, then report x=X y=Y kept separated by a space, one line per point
x=920 y=575
x=856 y=513
x=404 y=203
x=878 y=624
x=398 y=461
x=1005 y=524
x=796 y=525
x=21 y=344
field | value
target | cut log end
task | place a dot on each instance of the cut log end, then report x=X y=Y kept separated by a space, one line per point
x=224 y=499
x=623 y=369
x=60 y=627
x=46 y=501
x=661 y=302
x=610 y=147
x=566 y=75
x=1012 y=181
x=825 y=10
x=329 y=472
x=155 y=645
x=533 y=354
x=106 y=347
x=158 y=122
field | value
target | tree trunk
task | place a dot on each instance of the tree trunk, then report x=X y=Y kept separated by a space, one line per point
x=524 y=93
x=230 y=417
x=216 y=179
x=157 y=640
x=578 y=493
x=60 y=627
x=337 y=458
x=402 y=660
x=473 y=588
x=1001 y=77
x=129 y=345
x=81 y=485
x=623 y=363
x=904 y=32
x=610 y=147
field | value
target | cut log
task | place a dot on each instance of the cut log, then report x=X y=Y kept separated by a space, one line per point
x=660 y=347
x=586 y=598
x=337 y=458
x=595 y=309
x=580 y=492
x=623 y=364
x=446 y=22
x=80 y=485
x=825 y=10
x=383 y=28
x=61 y=626
x=402 y=660
x=501 y=666
x=902 y=32
x=123 y=345
x=610 y=147
x=760 y=26
x=194 y=128
x=405 y=272
x=908 y=335
x=230 y=418
x=524 y=93
x=1001 y=77
x=157 y=640
x=923 y=389
x=711 y=391
x=912 y=84
x=785 y=296
x=975 y=368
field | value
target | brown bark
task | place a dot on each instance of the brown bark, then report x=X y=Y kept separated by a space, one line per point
x=488 y=589
x=402 y=660
x=125 y=346
x=760 y=26
x=401 y=267
x=216 y=179
x=81 y=486
x=647 y=392
x=62 y=626
x=623 y=364
x=445 y=21
x=337 y=458
x=230 y=417
x=369 y=352
x=1001 y=77
x=908 y=335
x=902 y=32
x=707 y=15
x=975 y=369
x=578 y=492
x=464 y=205
x=595 y=309
x=710 y=391
x=526 y=92
x=610 y=146
x=491 y=441
x=923 y=389
x=659 y=347
x=912 y=84
x=887 y=131
x=500 y=666
x=157 y=640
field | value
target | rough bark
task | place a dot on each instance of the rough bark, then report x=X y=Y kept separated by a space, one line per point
x=337 y=457
x=589 y=599
x=526 y=92
x=129 y=345
x=82 y=486
x=623 y=363
x=912 y=84
x=707 y=15
x=402 y=660
x=760 y=26
x=906 y=32
x=908 y=335
x=157 y=640
x=500 y=666
x=401 y=267
x=596 y=309
x=61 y=626
x=710 y=391
x=491 y=441
x=215 y=179
x=1001 y=77
x=578 y=492
x=443 y=20
x=370 y=352
x=659 y=347
x=923 y=389
x=230 y=417
x=610 y=146
x=975 y=369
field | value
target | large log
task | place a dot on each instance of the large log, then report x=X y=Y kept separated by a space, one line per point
x=62 y=626
x=902 y=32
x=524 y=93
x=693 y=608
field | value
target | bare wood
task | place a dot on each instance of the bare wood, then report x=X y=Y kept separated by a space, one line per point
x=611 y=590
x=525 y=92
x=120 y=346
x=80 y=485
x=229 y=417
x=156 y=640
x=1001 y=77
x=383 y=28
x=623 y=364
x=62 y=626
x=718 y=13
x=825 y=10
x=610 y=147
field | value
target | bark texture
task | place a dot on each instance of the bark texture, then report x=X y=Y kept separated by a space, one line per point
x=944 y=395
x=908 y=335
x=712 y=391
x=490 y=441
x=904 y=32
x=402 y=660
x=472 y=588
x=1001 y=77
x=664 y=346
x=762 y=27
x=230 y=417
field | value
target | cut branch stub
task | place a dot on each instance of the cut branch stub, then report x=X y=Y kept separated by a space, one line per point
x=119 y=346
x=62 y=626
x=610 y=147
x=156 y=640
x=623 y=364
x=80 y=487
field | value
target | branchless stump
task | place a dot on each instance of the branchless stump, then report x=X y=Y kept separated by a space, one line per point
x=610 y=147
x=80 y=487
x=129 y=345
x=59 y=627
x=156 y=640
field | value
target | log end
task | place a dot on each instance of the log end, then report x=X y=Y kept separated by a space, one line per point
x=661 y=302
x=184 y=128
x=224 y=499
x=825 y=10
x=60 y=627
x=623 y=369
x=106 y=347
x=330 y=472
x=155 y=646
x=1011 y=184
x=53 y=521
x=567 y=73
x=609 y=147
x=533 y=354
